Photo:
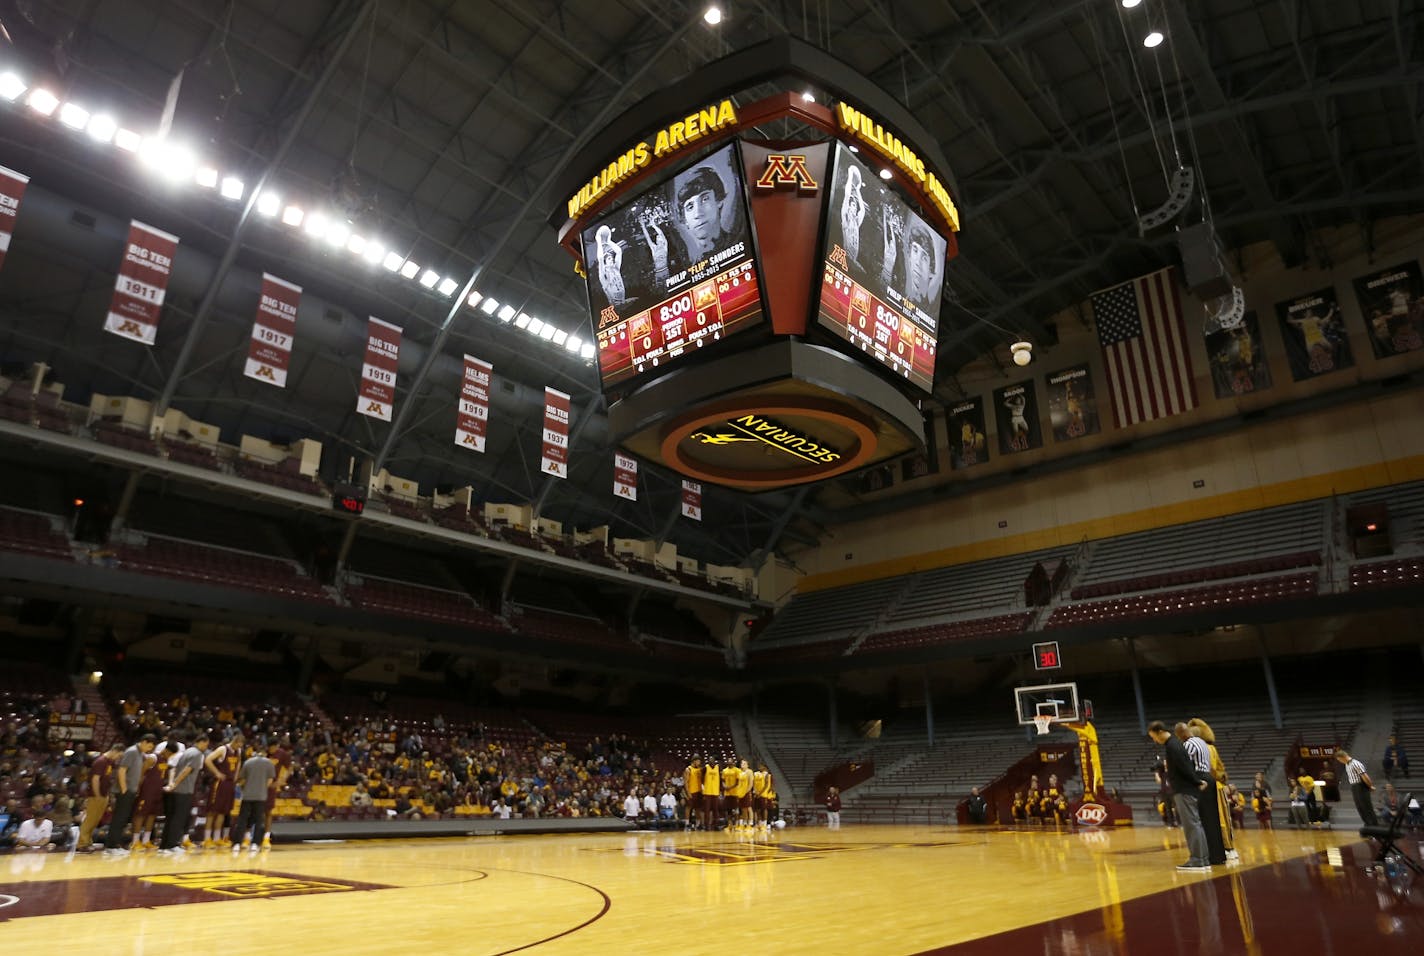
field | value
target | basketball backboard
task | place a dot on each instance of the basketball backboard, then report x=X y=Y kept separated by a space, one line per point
x=1058 y=700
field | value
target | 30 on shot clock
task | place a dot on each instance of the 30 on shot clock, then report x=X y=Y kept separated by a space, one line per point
x=1046 y=656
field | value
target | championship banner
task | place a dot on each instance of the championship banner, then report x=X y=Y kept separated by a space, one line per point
x=378 y=371
x=625 y=477
x=555 y=458
x=12 y=190
x=1314 y=333
x=691 y=500
x=269 y=352
x=1016 y=415
x=1238 y=363
x=966 y=434
x=1072 y=404
x=142 y=283
x=473 y=416
x=1392 y=302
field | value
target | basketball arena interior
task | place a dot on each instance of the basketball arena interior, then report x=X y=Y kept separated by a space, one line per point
x=581 y=476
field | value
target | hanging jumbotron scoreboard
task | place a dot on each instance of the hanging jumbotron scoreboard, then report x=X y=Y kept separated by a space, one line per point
x=766 y=311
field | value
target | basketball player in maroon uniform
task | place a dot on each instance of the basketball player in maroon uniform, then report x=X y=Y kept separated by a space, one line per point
x=223 y=763
x=150 y=794
x=281 y=755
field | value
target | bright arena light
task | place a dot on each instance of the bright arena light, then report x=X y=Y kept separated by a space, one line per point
x=374 y=252
x=315 y=225
x=206 y=176
x=356 y=244
x=535 y=326
x=337 y=234
x=166 y=158
x=11 y=86
x=522 y=321
x=127 y=140
x=886 y=174
x=102 y=128
x=506 y=314
x=73 y=115
x=268 y=203
x=489 y=305
x=293 y=215
x=448 y=286
x=547 y=332
x=1129 y=4
x=429 y=278
x=560 y=336
x=473 y=299
x=409 y=270
x=587 y=351
x=1153 y=39
x=573 y=344
x=42 y=101
x=392 y=261
x=713 y=16
x=232 y=187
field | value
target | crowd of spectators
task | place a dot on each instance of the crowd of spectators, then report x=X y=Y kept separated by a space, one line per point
x=40 y=780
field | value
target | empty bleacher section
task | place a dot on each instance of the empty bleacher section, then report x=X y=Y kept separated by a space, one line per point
x=1387 y=574
x=969 y=629
x=386 y=596
x=29 y=532
x=210 y=564
x=660 y=620
x=1406 y=512
x=832 y=614
x=1156 y=604
x=199 y=522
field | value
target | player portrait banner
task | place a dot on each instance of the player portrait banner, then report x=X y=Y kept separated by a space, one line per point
x=142 y=283
x=625 y=477
x=269 y=351
x=1072 y=404
x=692 y=500
x=966 y=434
x=1144 y=342
x=1314 y=333
x=378 y=370
x=1392 y=302
x=1238 y=364
x=472 y=417
x=554 y=457
x=1016 y=415
x=12 y=190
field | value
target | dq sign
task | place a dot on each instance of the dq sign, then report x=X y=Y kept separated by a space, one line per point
x=1092 y=814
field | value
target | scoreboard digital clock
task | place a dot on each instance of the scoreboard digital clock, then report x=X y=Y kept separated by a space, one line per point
x=673 y=271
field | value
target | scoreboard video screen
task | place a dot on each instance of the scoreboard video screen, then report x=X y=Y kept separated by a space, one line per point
x=882 y=272
x=673 y=271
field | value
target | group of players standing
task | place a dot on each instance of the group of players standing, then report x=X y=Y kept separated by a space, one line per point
x=730 y=796
x=152 y=780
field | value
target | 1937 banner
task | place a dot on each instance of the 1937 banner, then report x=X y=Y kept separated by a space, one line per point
x=378 y=371
x=966 y=434
x=1072 y=404
x=269 y=351
x=625 y=477
x=692 y=500
x=1392 y=302
x=474 y=404
x=142 y=283
x=554 y=459
x=1314 y=333
x=12 y=190
x=1016 y=415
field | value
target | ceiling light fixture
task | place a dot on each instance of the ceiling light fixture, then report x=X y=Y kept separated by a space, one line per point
x=713 y=15
x=11 y=86
x=489 y=305
x=808 y=97
x=337 y=233
x=102 y=127
x=429 y=278
x=409 y=270
x=42 y=101
x=127 y=140
x=573 y=344
x=473 y=299
x=547 y=332
x=522 y=321
x=168 y=159
x=268 y=203
x=356 y=244
x=315 y=225
x=886 y=174
x=560 y=336
x=505 y=314
x=447 y=287
x=1129 y=4
x=374 y=252
x=1022 y=352
x=293 y=215
x=393 y=261
x=534 y=326
x=587 y=351
x=206 y=176
x=73 y=115
x=1153 y=39
x=232 y=188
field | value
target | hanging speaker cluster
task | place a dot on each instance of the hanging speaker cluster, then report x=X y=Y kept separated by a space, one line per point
x=1180 y=190
x=1203 y=263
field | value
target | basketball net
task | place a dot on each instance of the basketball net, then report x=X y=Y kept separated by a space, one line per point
x=1043 y=722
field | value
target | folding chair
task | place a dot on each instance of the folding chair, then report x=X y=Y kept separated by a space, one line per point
x=1387 y=837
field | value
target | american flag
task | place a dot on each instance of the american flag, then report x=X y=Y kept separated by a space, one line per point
x=1144 y=344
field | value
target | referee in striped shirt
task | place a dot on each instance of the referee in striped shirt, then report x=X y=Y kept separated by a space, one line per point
x=1360 y=786
x=1210 y=808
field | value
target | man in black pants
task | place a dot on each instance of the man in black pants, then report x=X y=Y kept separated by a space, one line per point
x=1182 y=777
x=1209 y=809
x=256 y=777
x=180 y=791
x=1361 y=786
x=127 y=774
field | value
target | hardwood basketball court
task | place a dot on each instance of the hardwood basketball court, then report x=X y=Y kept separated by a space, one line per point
x=888 y=890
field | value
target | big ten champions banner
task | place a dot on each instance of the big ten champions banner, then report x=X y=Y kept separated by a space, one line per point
x=966 y=434
x=1392 y=302
x=1314 y=333
x=269 y=351
x=473 y=414
x=692 y=500
x=1238 y=363
x=142 y=283
x=1072 y=403
x=554 y=459
x=625 y=477
x=1016 y=415
x=378 y=371
x=12 y=190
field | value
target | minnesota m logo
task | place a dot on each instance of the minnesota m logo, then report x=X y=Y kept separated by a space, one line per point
x=787 y=171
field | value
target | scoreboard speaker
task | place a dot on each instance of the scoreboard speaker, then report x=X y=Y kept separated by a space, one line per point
x=1203 y=265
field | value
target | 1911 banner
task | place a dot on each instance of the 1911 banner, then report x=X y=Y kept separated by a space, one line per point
x=378 y=371
x=625 y=477
x=142 y=283
x=473 y=415
x=554 y=459
x=269 y=351
x=12 y=190
x=692 y=500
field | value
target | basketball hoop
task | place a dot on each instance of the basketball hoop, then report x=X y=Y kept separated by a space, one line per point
x=1043 y=722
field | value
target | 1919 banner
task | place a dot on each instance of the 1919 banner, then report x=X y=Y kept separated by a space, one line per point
x=378 y=372
x=473 y=414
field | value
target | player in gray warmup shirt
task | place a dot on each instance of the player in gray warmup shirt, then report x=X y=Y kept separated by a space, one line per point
x=254 y=779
